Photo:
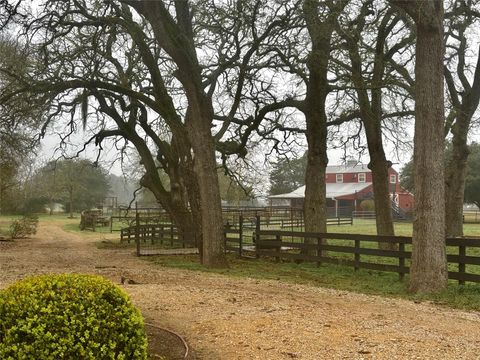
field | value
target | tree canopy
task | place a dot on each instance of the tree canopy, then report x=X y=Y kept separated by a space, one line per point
x=77 y=184
x=287 y=174
x=472 y=183
x=472 y=179
x=18 y=125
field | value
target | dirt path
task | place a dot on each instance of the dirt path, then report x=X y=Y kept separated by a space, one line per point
x=225 y=318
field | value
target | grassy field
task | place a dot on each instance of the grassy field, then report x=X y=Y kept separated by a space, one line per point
x=5 y=222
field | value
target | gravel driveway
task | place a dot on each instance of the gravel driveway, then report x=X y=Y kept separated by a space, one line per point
x=226 y=318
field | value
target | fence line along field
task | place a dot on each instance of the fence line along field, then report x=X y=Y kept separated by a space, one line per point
x=268 y=238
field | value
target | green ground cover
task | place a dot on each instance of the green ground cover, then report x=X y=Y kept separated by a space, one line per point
x=5 y=222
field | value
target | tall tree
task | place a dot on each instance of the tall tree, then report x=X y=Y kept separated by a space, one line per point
x=464 y=97
x=320 y=29
x=287 y=175
x=18 y=119
x=174 y=34
x=472 y=180
x=142 y=67
x=370 y=74
x=428 y=271
x=305 y=54
x=76 y=184
x=406 y=177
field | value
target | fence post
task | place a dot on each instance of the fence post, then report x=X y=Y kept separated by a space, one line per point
x=291 y=219
x=357 y=255
x=171 y=234
x=302 y=220
x=240 y=235
x=225 y=240
x=319 y=250
x=401 y=260
x=461 y=262
x=278 y=248
x=137 y=233
x=257 y=235
x=162 y=234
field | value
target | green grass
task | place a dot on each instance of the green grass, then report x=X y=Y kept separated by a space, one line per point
x=330 y=276
x=112 y=244
x=367 y=226
x=5 y=221
x=75 y=227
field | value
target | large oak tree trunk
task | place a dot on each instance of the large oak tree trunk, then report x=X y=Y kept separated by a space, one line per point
x=383 y=206
x=315 y=206
x=428 y=271
x=198 y=125
x=455 y=174
x=176 y=37
x=196 y=209
x=380 y=179
x=211 y=210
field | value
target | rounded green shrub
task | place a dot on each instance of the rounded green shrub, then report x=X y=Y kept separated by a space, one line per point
x=367 y=205
x=69 y=317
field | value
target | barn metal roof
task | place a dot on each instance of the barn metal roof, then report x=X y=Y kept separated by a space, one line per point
x=333 y=190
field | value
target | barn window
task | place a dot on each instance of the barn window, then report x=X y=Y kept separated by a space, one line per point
x=361 y=177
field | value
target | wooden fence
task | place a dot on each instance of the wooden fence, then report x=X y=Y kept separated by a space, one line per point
x=148 y=238
x=150 y=233
x=362 y=252
x=330 y=221
x=356 y=250
x=251 y=223
x=471 y=216
x=90 y=219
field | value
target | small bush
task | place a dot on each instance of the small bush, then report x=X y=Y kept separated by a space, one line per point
x=69 y=317
x=367 y=205
x=24 y=227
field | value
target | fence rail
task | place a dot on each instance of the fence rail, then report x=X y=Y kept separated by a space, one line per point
x=356 y=250
x=364 y=252
x=471 y=216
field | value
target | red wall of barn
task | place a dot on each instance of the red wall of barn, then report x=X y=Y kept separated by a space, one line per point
x=406 y=201
x=353 y=177
x=348 y=177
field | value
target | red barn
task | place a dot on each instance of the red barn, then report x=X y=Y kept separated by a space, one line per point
x=347 y=187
